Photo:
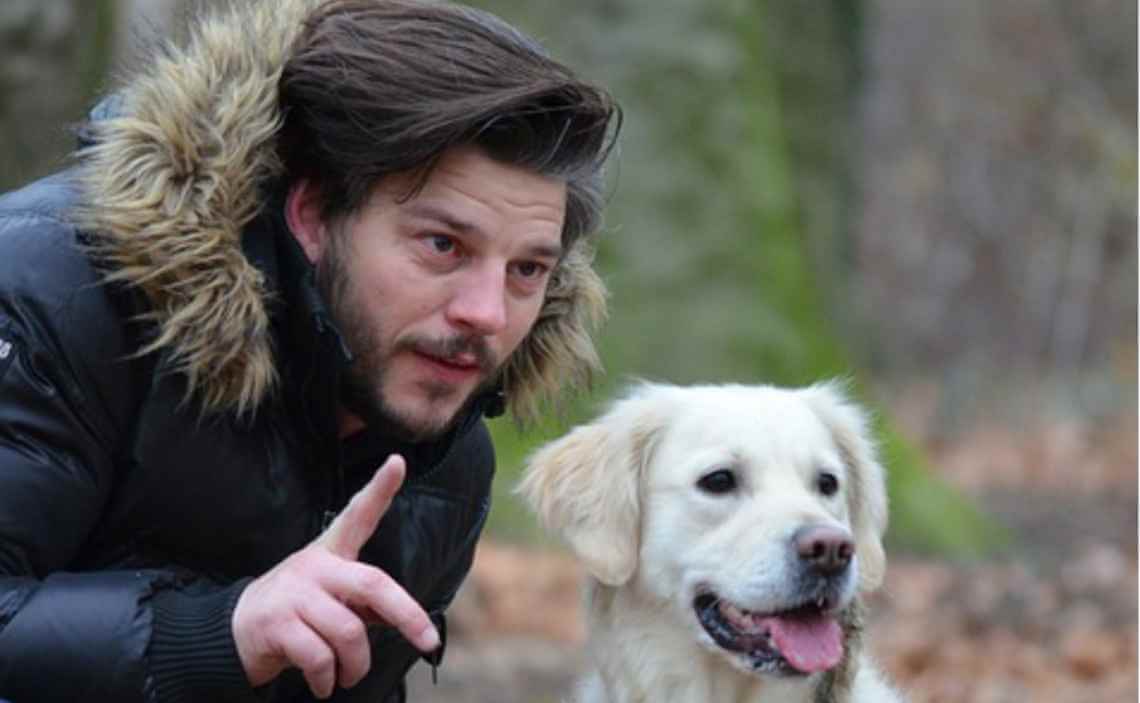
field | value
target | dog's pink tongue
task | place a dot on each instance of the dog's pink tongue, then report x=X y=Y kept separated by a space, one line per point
x=809 y=644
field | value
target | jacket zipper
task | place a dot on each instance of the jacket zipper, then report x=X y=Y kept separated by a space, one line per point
x=335 y=494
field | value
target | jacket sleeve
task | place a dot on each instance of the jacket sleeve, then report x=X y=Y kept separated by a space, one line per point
x=60 y=633
x=65 y=634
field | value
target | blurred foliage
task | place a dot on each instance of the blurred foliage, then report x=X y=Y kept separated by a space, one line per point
x=56 y=53
x=728 y=220
x=996 y=230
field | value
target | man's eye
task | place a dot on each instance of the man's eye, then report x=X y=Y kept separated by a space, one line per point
x=530 y=269
x=442 y=243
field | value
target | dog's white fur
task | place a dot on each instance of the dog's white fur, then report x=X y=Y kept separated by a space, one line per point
x=623 y=492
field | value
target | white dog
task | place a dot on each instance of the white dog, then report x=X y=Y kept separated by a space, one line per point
x=728 y=532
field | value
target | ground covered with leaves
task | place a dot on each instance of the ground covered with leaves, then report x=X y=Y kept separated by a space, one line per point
x=1052 y=618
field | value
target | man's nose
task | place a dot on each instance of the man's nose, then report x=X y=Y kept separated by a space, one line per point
x=479 y=302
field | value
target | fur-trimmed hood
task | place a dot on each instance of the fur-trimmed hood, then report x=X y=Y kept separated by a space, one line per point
x=172 y=178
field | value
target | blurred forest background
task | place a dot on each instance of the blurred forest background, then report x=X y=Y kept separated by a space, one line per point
x=937 y=200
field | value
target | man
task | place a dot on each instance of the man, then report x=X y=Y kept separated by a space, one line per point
x=296 y=260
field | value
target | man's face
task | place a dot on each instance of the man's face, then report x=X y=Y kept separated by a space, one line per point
x=433 y=293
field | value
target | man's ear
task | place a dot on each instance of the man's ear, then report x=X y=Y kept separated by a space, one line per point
x=303 y=215
x=586 y=486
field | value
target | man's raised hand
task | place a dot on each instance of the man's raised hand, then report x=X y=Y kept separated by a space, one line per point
x=310 y=610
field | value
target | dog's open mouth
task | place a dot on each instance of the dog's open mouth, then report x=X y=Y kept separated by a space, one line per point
x=800 y=641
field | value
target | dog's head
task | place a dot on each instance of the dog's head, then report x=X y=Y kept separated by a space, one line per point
x=754 y=514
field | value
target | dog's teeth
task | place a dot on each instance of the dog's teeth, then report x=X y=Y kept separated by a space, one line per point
x=757 y=625
x=742 y=620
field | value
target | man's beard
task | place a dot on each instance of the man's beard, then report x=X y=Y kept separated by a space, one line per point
x=362 y=392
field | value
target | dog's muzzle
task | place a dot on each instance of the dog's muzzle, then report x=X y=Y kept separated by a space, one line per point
x=805 y=637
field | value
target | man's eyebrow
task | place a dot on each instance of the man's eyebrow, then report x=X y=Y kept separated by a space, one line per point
x=432 y=212
x=545 y=251
x=428 y=211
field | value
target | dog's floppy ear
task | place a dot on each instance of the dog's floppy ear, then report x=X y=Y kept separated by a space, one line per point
x=586 y=486
x=867 y=493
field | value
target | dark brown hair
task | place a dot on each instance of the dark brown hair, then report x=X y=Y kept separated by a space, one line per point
x=376 y=87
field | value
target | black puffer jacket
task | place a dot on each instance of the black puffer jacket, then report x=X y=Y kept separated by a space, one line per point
x=130 y=521
x=166 y=415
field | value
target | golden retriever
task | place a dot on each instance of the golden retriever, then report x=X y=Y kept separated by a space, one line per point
x=727 y=533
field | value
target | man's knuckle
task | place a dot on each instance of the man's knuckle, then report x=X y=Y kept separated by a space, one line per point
x=267 y=618
x=351 y=632
x=319 y=661
x=280 y=629
x=372 y=581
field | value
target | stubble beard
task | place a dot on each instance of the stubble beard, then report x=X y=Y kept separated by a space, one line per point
x=362 y=383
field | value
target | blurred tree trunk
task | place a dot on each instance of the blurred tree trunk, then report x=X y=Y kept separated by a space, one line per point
x=54 y=55
x=998 y=203
x=815 y=54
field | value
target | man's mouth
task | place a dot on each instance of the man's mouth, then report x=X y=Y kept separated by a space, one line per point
x=459 y=367
x=801 y=640
x=466 y=360
x=457 y=355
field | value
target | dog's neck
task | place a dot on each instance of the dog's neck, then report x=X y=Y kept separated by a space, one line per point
x=623 y=637
x=836 y=685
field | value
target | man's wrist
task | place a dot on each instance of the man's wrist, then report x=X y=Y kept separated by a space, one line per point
x=192 y=655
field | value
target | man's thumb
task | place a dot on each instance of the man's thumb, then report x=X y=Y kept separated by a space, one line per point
x=356 y=523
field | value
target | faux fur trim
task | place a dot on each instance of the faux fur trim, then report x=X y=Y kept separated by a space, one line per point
x=559 y=352
x=171 y=180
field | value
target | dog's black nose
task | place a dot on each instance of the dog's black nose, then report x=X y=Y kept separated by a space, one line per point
x=826 y=549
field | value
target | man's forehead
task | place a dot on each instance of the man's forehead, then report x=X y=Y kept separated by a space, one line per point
x=471 y=191
x=470 y=168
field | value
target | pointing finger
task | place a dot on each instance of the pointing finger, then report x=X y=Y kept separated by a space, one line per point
x=383 y=599
x=356 y=523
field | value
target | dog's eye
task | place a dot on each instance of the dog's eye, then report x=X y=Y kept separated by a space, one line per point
x=827 y=483
x=719 y=481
